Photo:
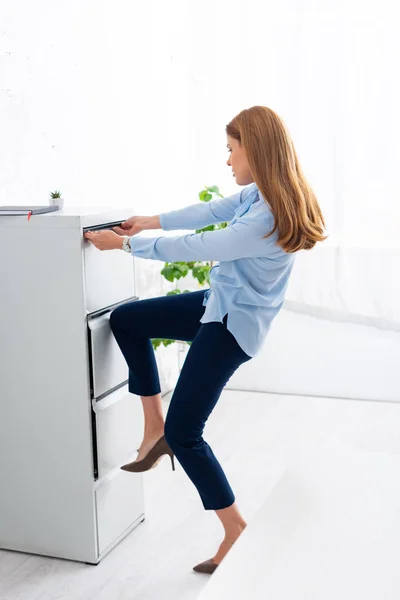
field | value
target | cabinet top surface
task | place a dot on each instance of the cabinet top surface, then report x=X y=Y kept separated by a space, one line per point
x=70 y=216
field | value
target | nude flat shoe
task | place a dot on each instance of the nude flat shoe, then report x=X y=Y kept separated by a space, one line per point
x=208 y=566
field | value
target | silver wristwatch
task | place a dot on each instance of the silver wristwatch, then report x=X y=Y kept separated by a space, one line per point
x=126 y=243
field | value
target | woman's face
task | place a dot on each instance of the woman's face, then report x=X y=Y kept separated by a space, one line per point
x=238 y=161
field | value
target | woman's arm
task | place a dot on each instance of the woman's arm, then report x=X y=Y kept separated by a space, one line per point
x=151 y=222
x=240 y=240
x=202 y=214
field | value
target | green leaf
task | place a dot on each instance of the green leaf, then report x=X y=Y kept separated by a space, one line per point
x=208 y=228
x=206 y=194
x=168 y=273
x=156 y=342
x=201 y=273
x=202 y=194
x=175 y=270
x=213 y=189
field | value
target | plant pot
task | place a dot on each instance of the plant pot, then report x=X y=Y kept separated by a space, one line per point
x=57 y=202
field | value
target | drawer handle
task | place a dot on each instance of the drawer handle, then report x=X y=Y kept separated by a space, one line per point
x=103 y=226
x=110 y=307
x=110 y=399
x=113 y=473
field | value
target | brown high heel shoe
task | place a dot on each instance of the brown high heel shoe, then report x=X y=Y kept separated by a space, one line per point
x=155 y=464
x=152 y=458
x=208 y=566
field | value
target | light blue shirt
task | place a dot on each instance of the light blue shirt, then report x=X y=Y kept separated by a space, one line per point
x=250 y=281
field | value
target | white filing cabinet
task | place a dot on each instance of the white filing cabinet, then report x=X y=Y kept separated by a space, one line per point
x=67 y=420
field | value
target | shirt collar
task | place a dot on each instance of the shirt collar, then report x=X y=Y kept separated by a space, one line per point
x=259 y=195
x=255 y=193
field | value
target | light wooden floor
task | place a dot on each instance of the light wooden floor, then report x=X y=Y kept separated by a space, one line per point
x=254 y=436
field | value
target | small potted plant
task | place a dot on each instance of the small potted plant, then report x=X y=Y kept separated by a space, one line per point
x=56 y=199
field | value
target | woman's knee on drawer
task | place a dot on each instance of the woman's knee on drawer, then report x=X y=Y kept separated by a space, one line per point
x=125 y=317
x=117 y=318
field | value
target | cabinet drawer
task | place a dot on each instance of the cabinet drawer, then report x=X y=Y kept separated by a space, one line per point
x=119 y=503
x=108 y=365
x=119 y=429
x=108 y=275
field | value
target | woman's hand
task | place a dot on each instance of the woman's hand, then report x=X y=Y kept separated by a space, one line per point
x=135 y=225
x=105 y=239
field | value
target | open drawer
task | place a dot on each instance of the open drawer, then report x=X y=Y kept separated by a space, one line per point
x=109 y=276
x=108 y=368
x=108 y=365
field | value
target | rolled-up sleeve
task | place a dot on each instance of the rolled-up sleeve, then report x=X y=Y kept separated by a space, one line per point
x=239 y=240
x=202 y=214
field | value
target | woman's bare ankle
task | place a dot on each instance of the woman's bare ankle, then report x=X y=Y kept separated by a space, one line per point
x=153 y=416
x=233 y=531
x=154 y=432
x=231 y=535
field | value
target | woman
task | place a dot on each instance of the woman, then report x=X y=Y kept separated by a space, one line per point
x=273 y=217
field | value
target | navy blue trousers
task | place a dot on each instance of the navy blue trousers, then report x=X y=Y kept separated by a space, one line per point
x=213 y=357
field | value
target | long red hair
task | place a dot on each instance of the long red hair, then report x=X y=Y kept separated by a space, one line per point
x=277 y=173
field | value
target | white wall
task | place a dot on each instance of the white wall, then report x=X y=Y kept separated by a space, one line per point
x=126 y=102
x=102 y=100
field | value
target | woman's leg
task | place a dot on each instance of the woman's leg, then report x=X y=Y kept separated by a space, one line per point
x=233 y=524
x=212 y=359
x=133 y=324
